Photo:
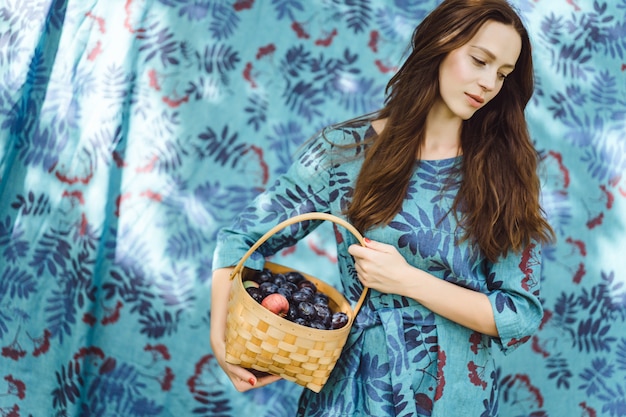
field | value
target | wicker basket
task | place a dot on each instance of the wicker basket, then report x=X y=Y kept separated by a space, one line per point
x=258 y=339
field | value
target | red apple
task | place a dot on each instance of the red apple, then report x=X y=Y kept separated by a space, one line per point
x=277 y=304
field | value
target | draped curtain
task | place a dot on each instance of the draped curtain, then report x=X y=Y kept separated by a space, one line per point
x=132 y=130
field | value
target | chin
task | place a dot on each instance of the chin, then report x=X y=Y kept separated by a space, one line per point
x=468 y=114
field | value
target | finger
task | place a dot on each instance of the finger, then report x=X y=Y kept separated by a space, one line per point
x=360 y=272
x=357 y=251
x=241 y=376
x=266 y=380
x=242 y=385
x=376 y=245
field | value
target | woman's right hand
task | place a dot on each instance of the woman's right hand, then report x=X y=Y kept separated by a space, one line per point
x=242 y=378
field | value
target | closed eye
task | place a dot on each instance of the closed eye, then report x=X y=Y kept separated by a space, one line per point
x=478 y=61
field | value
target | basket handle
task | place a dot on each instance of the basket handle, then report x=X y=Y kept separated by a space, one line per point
x=297 y=219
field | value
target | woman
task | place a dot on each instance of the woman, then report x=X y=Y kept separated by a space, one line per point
x=442 y=182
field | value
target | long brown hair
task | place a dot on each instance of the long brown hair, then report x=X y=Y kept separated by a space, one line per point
x=498 y=201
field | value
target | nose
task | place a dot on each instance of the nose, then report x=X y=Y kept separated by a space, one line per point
x=488 y=81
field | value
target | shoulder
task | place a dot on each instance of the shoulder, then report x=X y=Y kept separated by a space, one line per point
x=346 y=139
x=348 y=133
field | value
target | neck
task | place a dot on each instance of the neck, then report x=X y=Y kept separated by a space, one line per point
x=443 y=136
x=442 y=141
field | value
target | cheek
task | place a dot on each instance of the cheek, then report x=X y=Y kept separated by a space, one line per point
x=454 y=70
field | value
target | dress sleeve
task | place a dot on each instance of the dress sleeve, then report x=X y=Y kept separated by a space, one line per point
x=302 y=189
x=514 y=283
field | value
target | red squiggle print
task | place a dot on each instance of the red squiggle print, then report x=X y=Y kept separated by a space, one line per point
x=87 y=351
x=117 y=158
x=149 y=166
x=322 y=252
x=475 y=342
x=578 y=244
x=243 y=4
x=42 y=344
x=84 y=224
x=78 y=195
x=373 y=42
x=195 y=382
x=151 y=195
x=89 y=319
x=528 y=259
x=300 y=32
x=547 y=315
x=525 y=381
x=264 y=167
x=590 y=412
x=127 y=23
x=265 y=50
x=17 y=387
x=580 y=273
x=441 y=380
x=515 y=341
x=160 y=348
x=154 y=80
x=595 y=221
x=95 y=52
x=383 y=68
x=338 y=235
x=288 y=251
x=99 y=21
x=475 y=373
x=536 y=347
x=610 y=198
x=166 y=380
x=571 y=3
x=73 y=180
x=247 y=75
x=559 y=159
x=118 y=202
x=328 y=40
x=114 y=314
x=175 y=102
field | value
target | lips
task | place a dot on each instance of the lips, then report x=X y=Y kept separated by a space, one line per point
x=474 y=100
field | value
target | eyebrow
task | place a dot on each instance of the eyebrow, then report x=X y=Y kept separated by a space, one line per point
x=492 y=56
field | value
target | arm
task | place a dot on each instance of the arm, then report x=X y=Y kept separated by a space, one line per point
x=381 y=267
x=241 y=378
x=466 y=307
x=301 y=189
x=510 y=310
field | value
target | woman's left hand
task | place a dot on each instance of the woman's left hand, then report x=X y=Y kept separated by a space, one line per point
x=381 y=267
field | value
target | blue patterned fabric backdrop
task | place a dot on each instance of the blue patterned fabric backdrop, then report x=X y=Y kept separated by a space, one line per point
x=131 y=130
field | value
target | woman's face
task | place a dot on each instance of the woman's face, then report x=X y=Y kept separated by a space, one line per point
x=472 y=75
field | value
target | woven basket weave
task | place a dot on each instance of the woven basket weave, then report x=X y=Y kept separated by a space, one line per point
x=258 y=339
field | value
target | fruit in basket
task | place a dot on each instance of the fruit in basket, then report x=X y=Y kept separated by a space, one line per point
x=276 y=303
x=256 y=294
x=339 y=320
x=306 y=310
x=292 y=296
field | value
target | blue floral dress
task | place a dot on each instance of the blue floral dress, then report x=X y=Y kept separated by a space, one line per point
x=401 y=359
